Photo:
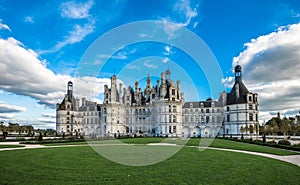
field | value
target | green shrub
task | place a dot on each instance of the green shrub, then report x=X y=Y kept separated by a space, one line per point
x=20 y=139
x=284 y=142
x=272 y=142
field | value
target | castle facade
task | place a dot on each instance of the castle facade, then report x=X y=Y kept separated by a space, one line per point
x=158 y=110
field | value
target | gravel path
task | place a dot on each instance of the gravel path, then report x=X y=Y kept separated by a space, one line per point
x=294 y=159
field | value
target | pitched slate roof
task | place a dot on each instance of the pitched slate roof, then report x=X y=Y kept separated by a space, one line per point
x=234 y=98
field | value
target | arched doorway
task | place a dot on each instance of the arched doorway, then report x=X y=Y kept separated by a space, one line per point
x=196 y=132
x=207 y=132
x=186 y=132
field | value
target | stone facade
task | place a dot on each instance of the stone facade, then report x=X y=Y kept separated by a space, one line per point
x=158 y=110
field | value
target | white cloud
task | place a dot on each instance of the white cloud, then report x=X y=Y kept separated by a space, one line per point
x=43 y=120
x=168 y=50
x=185 y=12
x=29 y=19
x=295 y=14
x=149 y=65
x=131 y=66
x=7 y=116
x=165 y=60
x=77 y=34
x=228 y=81
x=271 y=68
x=4 y=26
x=6 y=108
x=49 y=115
x=75 y=10
x=23 y=73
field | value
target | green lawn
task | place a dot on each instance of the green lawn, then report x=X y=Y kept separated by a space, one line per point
x=82 y=165
x=218 y=143
x=11 y=146
x=223 y=143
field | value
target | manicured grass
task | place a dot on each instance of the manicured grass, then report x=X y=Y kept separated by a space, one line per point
x=82 y=165
x=223 y=143
x=218 y=143
x=66 y=143
x=11 y=146
x=142 y=140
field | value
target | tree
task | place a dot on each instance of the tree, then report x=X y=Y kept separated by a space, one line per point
x=242 y=130
x=275 y=129
x=256 y=129
x=285 y=126
x=251 y=130
x=40 y=137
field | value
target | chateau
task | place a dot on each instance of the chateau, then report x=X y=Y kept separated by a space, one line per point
x=158 y=110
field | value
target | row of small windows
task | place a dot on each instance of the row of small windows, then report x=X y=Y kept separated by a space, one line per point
x=202 y=119
x=250 y=107
x=202 y=110
x=250 y=117
x=202 y=105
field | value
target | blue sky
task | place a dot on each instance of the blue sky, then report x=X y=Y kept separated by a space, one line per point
x=42 y=43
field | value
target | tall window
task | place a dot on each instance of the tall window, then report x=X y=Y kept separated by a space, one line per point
x=207 y=119
x=174 y=108
x=170 y=129
x=173 y=91
x=228 y=118
x=250 y=117
x=250 y=107
x=174 y=129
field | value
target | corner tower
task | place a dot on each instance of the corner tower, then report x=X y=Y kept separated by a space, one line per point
x=241 y=112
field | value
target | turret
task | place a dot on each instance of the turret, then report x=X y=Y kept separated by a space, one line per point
x=121 y=93
x=70 y=90
x=113 y=88
x=178 y=88
x=163 y=90
x=238 y=73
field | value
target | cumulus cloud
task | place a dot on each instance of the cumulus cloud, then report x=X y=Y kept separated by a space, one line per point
x=6 y=108
x=271 y=68
x=75 y=10
x=23 y=73
x=4 y=26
